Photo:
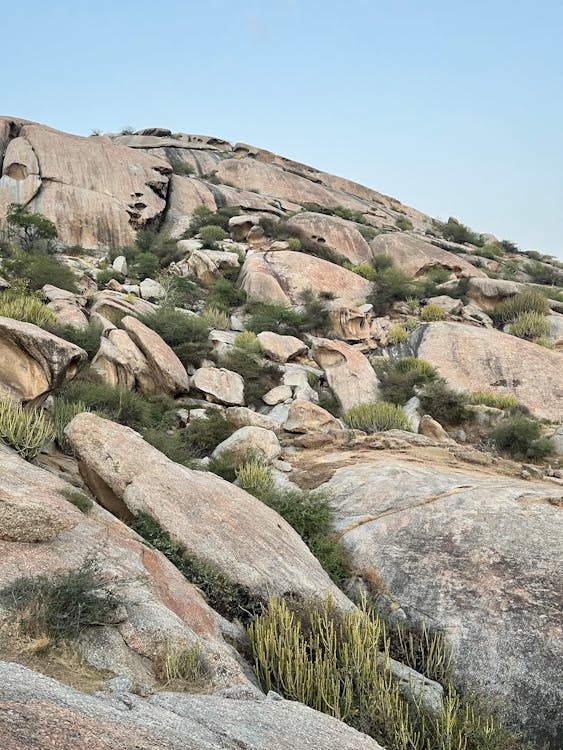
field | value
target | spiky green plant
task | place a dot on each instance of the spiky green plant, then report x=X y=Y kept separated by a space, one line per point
x=527 y=301
x=24 y=430
x=21 y=304
x=62 y=413
x=377 y=417
x=248 y=341
x=255 y=477
x=529 y=325
x=432 y=312
x=216 y=318
x=496 y=400
x=397 y=334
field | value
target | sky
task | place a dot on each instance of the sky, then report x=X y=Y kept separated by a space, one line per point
x=454 y=107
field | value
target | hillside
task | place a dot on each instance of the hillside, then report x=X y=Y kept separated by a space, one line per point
x=281 y=458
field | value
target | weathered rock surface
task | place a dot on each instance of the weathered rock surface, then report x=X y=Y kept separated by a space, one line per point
x=68 y=313
x=114 y=305
x=348 y=372
x=415 y=256
x=304 y=416
x=167 y=372
x=214 y=519
x=120 y=362
x=277 y=395
x=221 y=385
x=340 y=235
x=68 y=720
x=34 y=361
x=478 y=359
x=280 y=277
x=241 y=416
x=487 y=293
x=281 y=348
x=247 y=440
x=476 y=555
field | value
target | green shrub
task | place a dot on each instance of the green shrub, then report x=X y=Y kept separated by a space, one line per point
x=216 y=318
x=398 y=379
x=368 y=233
x=225 y=596
x=203 y=435
x=258 y=374
x=187 y=334
x=530 y=325
x=455 y=232
x=62 y=413
x=432 y=312
x=248 y=341
x=294 y=244
x=542 y=273
x=79 y=500
x=183 y=292
x=180 y=167
x=144 y=265
x=391 y=285
x=19 y=304
x=443 y=403
x=212 y=234
x=527 y=301
x=315 y=316
x=397 y=334
x=107 y=274
x=267 y=317
x=521 y=437
x=88 y=338
x=404 y=224
x=63 y=605
x=31 y=230
x=496 y=400
x=203 y=216
x=364 y=270
x=308 y=512
x=38 y=269
x=224 y=295
x=161 y=246
x=224 y=465
x=329 y=402
x=377 y=417
x=24 y=430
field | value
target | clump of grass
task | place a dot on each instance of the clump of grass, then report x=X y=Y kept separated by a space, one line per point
x=248 y=341
x=403 y=223
x=259 y=375
x=86 y=338
x=19 y=304
x=216 y=318
x=211 y=234
x=529 y=301
x=521 y=437
x=24 y=430
x=294 y=244
x=78 y=499
x=224 y=595
x=181 y=668
x=224 y=295
x=377 y=417
x=62 y=413
x=185 y=333
x=530 y=326
x=268 y=317
x=203 y=435
x=62 y=605
x=432 y=312
x=363 y=269
x=496 y=400
x=397 y=334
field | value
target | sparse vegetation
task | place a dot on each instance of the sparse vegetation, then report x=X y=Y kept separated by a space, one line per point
x=432 y=312
x=19 y=304
x=24 y=430
x=377 y=417
x=454 y=231
x=444 y=403
x=86 y=338
x=224 y=295
x=78 y=499
x=62 y=413
x=216 y=318
x=181 y=669
x=62 y=605
x=404 y=224
x=399 y=379
x=528 y=301
x=530 y=326
x=186 y=333
x=391 y=285
x=268 y=317
x=259 y=375
x=521 y=437
x=397 y=334
x=496 y=400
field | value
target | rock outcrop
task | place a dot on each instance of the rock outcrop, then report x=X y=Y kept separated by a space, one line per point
x=477 y=359
x=340 y=235
x=34 y=361
x=475 y=555
x=415 y=256
x=347 y=371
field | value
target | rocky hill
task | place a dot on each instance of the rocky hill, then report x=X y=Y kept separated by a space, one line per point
x=281 y=458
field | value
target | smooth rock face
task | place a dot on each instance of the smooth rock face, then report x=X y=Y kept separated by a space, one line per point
x=280 y=277
x=487 y=293
x=222 y=385
x=241 y=416
x=476 y=555
x=348 y=372
x=478 y=359
x=168 y=373
x=340 y=235
x=304 y=416
x=34 y=361
x=281 y=348
x=277 y=395
x=161 y=606
x=151 y=289
x=65 y=719
x=250 y=440
x=120 y=362
x=213 y=519
x=415 y=256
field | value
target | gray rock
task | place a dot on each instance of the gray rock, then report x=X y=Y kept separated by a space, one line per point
x=119 y=265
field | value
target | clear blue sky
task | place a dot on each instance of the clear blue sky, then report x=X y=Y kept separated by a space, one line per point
x=452 y=106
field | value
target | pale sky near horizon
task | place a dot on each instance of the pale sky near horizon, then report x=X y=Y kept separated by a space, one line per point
x=453 y=107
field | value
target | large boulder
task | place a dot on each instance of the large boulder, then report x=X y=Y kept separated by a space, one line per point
x=167 y=372
x=416 y=257
x=220 y=384
x=120 y=362
x=477 y=359
x=34 y=361
x=40 y=713
x=487 y=293
x=212 y=518
x=349 y=374
x=477 y=555
x=281 y=276
x=250 y=440
x=338 y=234
x=162 y=609
x=281 y=348
x=303 y=416
x=107 y=190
